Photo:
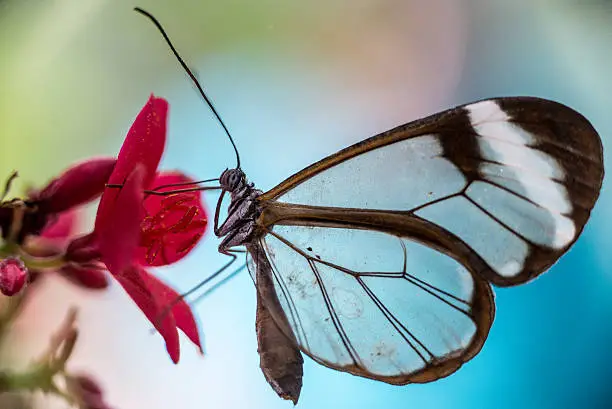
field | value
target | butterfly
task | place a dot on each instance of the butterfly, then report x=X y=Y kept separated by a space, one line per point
x=379 y=260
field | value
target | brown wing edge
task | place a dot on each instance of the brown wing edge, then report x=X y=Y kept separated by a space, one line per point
x=483 y=309
x=532 y=108
x=568 y=136
x=406 y=131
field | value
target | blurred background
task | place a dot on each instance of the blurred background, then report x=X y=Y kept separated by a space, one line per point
x=295 y=81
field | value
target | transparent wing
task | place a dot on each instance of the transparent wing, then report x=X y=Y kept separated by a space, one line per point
x=371 y=303
x=515 y=179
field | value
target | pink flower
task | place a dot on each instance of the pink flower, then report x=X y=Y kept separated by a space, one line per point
x=79 y=184
x=132 y=231
x=39 y=228
x=133 y=228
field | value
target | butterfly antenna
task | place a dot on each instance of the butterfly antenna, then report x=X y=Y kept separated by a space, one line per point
x=192 y=77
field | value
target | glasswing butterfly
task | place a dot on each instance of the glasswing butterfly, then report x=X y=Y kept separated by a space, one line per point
x=379 y=260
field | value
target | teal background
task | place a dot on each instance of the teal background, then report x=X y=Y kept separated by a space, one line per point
x=296 y=81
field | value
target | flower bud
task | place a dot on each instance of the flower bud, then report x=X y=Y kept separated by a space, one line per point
x=13 y=276
x=86 y=391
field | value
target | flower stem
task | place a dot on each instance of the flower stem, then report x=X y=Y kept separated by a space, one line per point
x=42 y=263
x=38 y=378
x=41 y=374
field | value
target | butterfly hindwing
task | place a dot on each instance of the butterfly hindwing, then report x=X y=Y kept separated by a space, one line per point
x=378 y=306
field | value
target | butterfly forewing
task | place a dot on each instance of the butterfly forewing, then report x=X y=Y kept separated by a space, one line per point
x=512 y=178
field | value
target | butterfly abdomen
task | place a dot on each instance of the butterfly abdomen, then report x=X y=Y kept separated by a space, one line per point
x=280 y=361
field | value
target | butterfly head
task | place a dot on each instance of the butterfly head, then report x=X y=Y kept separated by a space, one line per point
x=232 y=179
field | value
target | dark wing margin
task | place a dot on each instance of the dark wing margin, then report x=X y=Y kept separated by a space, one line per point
x=514 y=179
x=376 y=317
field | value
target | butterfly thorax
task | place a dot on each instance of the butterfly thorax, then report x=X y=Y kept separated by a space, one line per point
x=243 y=211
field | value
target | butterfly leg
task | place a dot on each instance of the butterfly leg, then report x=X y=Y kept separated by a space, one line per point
x=201 y=284
x=227 y=252
x=224 y=280
x=216 y=229
x=233 y=219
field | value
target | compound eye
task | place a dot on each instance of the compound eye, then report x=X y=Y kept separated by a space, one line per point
x=234 y=179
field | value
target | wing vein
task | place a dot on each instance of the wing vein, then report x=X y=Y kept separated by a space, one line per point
x=504 y=225
x=427 y=290
x=438 y=200
x=395 y=322
x=335 y=319
x=433 y=287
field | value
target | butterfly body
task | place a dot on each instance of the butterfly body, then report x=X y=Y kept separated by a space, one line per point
x=241 y=223
x=280 y=360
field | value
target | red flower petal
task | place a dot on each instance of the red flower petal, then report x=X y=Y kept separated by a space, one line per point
x=144 y=142
x=61 y=227
x=173 y=224
x=117 y=227
x=183 y=315
x=83 y=249
x=142 y=149
x=92 y=277
x=134 y=280
x=77 y=185
x=54 y=237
